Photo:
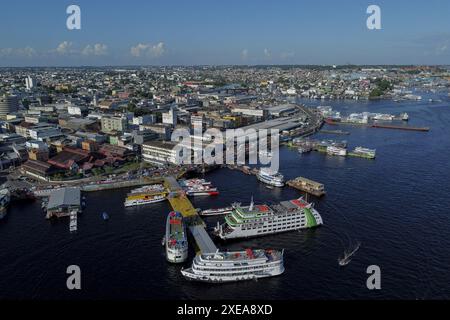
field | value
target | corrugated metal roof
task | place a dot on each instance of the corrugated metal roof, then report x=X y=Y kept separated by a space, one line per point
x=64 y=197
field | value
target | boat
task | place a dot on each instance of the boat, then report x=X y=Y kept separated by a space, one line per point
x=336 y=151
x=194 y=182
x=224 y=267
x=105 y=216
x=176 y=238
x=22 y=195
x=270 y=177
x=346 y=259
x=262 y=220
x=216 y=212
x=363 y=153
x=156 y=188
x=143 y=199
x=404 y=116
x=198 y=187
x=5 y=198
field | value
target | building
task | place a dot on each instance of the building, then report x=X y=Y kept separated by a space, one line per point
x=114 y=124
x=170 y=117
x=197 y=120
x=8 y=104
x=45 y=133
x=70 y=159
x=64 y=201
x=77 y=110
x=159 y=152
x=147 y=119
x=163 y=130
x=29 y=83
x=39 y=169
x=259 y=113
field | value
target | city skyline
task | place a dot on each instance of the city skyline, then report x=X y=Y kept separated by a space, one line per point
x=176 y=33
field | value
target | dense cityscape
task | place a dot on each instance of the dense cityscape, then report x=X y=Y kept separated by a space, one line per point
x=239 y=161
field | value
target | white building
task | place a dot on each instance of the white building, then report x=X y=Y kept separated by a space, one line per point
x=30 y=83
x=76 y=110
x=170 y=117
x=159 y=153
x=147 y=119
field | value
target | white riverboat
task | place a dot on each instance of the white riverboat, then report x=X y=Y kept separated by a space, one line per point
x=221 y=267
x=268 y=176
x=262 y=220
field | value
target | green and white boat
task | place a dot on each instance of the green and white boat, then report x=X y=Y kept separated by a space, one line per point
x=262 y=220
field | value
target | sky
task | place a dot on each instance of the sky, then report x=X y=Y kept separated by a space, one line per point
x=213 y=32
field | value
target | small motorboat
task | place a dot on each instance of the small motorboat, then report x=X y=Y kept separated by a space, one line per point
x=346 y=259
x=105 y=216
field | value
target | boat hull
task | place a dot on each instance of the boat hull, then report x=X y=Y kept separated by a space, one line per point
x=189 y=275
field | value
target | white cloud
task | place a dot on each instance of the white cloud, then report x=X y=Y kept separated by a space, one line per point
x=64 y=47
x=287 y=55
x=148 y=50
x=244 y=54
x=26 y=52
x=97 y=49
x=267 y=53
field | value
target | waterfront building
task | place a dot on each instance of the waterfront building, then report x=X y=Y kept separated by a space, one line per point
x=64 y=201
x=159 y=152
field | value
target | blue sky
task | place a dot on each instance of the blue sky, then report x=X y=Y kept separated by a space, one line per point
x=153 y=32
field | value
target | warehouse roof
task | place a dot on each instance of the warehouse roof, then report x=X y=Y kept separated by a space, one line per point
x=64 y=197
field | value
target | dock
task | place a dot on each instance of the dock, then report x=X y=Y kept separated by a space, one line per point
x=73 y=226
x=180 y=203
x=406 y=128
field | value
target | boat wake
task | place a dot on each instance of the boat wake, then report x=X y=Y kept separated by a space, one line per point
x=348 y=254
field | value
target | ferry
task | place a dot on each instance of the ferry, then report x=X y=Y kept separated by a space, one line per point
x=223 y=267
x=216 y=212
x=364 y=153
x=202 y=191
x=5 y=198
x=262 y=220
x=148 y=189
x=268 y=176
x=336 y=151
x=176 y=238
x=143 y=199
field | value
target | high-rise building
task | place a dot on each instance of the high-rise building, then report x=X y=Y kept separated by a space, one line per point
x=8 y=104
x=30 y=83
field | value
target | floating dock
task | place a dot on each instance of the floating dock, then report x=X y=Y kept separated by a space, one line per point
x=180 y=203
x=387 y=126
x=309 y=186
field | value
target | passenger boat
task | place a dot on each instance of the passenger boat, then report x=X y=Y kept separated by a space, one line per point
x=262 y=220
x=222 y=267
x=143 y=199
x=267 y=176
x=176 y=238
x=216 y=212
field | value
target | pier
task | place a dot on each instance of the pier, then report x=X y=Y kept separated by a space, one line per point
x=180 y=203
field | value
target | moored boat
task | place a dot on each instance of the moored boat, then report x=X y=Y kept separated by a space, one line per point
x=176 y=238
x=5 y=198
x=222 y=267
